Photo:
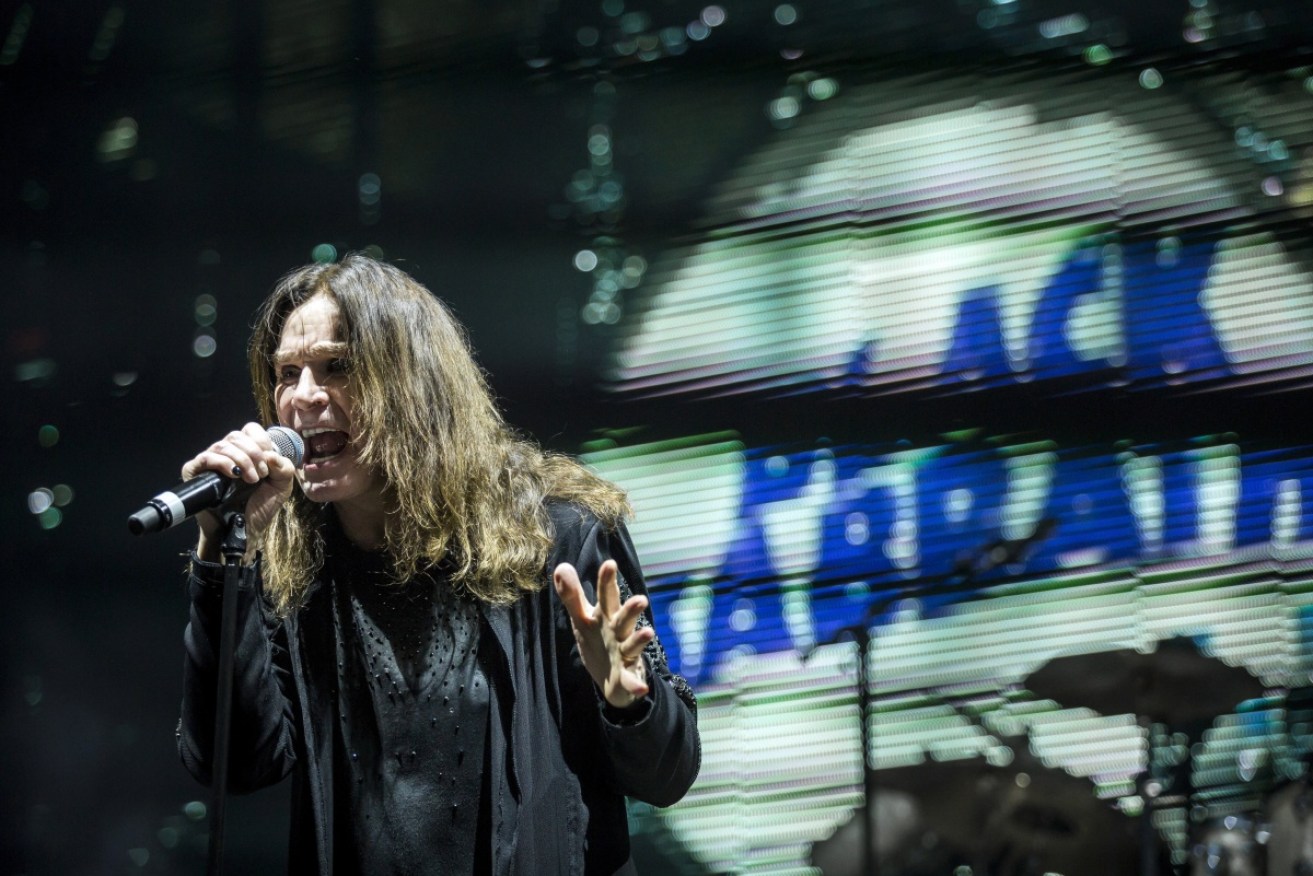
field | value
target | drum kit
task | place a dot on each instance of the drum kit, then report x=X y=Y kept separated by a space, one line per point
x=1029 y=819
x=966 y=816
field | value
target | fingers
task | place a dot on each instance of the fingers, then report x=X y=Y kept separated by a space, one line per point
x=622 y=618
x=572 y=595
x=608 y=590
x=626 y=619
x=633 y=678
x=248 y=454
x=610 y=645
x=631 y=647
x=254 y=442
x=281 y=470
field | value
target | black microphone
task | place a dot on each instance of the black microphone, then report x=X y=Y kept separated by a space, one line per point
x=208 y=490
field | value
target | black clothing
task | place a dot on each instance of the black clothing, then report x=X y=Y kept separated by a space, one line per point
x=409 y=782
x=557 y=763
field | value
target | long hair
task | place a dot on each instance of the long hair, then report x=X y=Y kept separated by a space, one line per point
x=459 y=486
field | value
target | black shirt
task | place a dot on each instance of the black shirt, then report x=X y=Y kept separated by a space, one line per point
x=412 y=706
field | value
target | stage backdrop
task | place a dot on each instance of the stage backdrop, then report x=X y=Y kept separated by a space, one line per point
x=1099 y=252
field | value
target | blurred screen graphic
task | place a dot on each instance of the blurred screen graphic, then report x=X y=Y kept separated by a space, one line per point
x=938 y=234
x=917 y=237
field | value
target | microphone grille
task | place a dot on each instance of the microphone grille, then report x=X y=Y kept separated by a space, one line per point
x=288 y=443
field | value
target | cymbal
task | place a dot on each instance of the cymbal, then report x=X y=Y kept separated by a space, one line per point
x=1174 y=684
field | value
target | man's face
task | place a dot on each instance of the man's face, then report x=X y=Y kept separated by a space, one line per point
x=314 y=396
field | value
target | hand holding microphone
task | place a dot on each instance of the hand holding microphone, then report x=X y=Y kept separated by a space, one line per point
x=255 y=465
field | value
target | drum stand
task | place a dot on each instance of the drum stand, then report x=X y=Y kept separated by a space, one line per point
x=963 y=579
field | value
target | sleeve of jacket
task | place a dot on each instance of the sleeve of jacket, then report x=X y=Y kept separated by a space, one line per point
x=264 y=720
x=653 y=747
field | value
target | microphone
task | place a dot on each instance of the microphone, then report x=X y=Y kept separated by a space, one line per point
x=208 y=490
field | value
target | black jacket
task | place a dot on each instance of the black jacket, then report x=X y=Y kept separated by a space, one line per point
x=561 y=761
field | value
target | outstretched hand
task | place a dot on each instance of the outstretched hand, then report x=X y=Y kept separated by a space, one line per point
x=609 y=644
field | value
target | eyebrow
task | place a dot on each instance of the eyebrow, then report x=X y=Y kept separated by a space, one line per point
x=321 y=350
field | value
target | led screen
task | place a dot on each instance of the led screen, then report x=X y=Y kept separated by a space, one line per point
x=1056 y=630
x=933 y=235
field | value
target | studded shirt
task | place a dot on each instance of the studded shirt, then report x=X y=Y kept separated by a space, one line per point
x=412 y=708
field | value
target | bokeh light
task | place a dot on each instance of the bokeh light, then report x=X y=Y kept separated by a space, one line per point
x=713 y=16
x=13 y=43
x=206 y=309
x=1098 y=55
x=1063 y=26
x=39 y=500
x=783 y=109
x=822 y=88
x=35 y=370
x=585 y=260
x=204 y=345
x=107 y=35
x=118 y=141
x=369 y=189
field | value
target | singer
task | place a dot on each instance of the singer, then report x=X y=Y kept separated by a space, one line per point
x=441 y=707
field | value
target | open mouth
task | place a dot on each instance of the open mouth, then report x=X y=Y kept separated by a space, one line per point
x=321 y=445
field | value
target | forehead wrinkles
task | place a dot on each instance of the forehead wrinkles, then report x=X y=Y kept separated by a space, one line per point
x=316 y=350
x=310 y=332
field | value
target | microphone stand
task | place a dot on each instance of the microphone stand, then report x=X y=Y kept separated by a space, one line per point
x=233 y=549
x=961 y=579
